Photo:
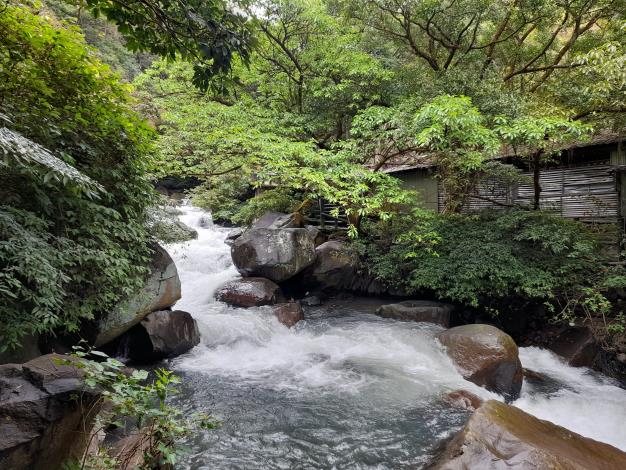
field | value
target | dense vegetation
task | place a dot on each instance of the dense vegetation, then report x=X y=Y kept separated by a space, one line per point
x=302 y=99
x=73 y=241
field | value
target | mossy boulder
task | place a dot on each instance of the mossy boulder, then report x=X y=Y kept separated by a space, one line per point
x=500 y=436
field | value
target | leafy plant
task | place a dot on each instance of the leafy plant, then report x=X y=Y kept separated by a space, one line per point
x=72 y=235
x=137 y=405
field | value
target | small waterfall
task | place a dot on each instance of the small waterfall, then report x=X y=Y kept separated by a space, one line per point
x=344 y=388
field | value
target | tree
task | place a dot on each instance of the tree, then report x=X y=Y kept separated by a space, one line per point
x=72 y=235
x=204 y=32
x=537 y=139
x=456 y=136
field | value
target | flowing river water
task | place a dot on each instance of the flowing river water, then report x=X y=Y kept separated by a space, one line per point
x=344 y=388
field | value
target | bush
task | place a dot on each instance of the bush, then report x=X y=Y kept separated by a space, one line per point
x=484 y=259
x=66 y=253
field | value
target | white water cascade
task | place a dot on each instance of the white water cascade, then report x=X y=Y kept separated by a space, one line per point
x=344 y=388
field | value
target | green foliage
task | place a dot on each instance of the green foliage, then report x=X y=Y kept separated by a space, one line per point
x=102 y=36
x=204 y=32
x=72 y=237
x=484 y=259
x=134 y=404
x=453 y=131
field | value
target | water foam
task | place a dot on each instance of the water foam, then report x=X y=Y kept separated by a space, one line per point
x=344 y=368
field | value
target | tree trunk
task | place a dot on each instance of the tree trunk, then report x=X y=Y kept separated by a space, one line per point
x=536 y=175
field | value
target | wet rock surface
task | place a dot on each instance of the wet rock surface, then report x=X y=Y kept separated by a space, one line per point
x=334 y=267
x=276 y=254
x=250 y=292
x=289 y=313
x=576 y=344
x=464 y=400
x=500 y=436
x=418 y=311
x=486 y=356
x=42 y=422
x=161 y=335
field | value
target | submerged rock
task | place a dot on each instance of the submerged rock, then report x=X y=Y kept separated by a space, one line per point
x=288 y=314
x=311 y=301
x=42 y=420
x=276 y=254
x=334 y=267
x=463 y=399
x=161 y=290
x=418 y=311
x=500 y=436
x=249 y=292
x=485 y=355
x=161 y=335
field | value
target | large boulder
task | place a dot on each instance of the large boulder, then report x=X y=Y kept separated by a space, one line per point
x=161 y=290
x=277 y=254
x=249 y=292
x=577 y=345
x=500 y=436
x=44 y=410
x=418 y=311
x=277 y=220
x=334 y=267
x=485 y=355
x=161 y=335
x=289 y=313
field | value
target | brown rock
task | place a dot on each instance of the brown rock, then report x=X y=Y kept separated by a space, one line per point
x=577 y=345
x=249 y=292
x=486 y=356
x=418 y=311
x=288 y=314
x=500 y=436
x=464 y=399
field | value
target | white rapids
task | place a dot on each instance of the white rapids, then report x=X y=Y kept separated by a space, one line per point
x=344 y=388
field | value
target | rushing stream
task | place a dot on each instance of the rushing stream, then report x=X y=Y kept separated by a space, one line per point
x=344 y=388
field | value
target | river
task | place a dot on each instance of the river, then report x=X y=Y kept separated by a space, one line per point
x=344 y=388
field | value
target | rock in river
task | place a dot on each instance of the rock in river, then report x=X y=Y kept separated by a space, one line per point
x=160 y=291
x=500 y=436
x=276 y=254
x=249 y=292
x=486 y=356
x=334 y=267
x=419 y=311
x=288 y=314
x=162 y=335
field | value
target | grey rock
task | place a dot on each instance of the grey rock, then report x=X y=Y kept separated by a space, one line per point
x=163 y=334
x=276 y=254
x=334 y=267
x=42 y=421
x=160 y=291
x=418 y=311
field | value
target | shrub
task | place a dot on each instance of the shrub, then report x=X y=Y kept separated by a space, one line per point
x=482 y=260
x=66 y=254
